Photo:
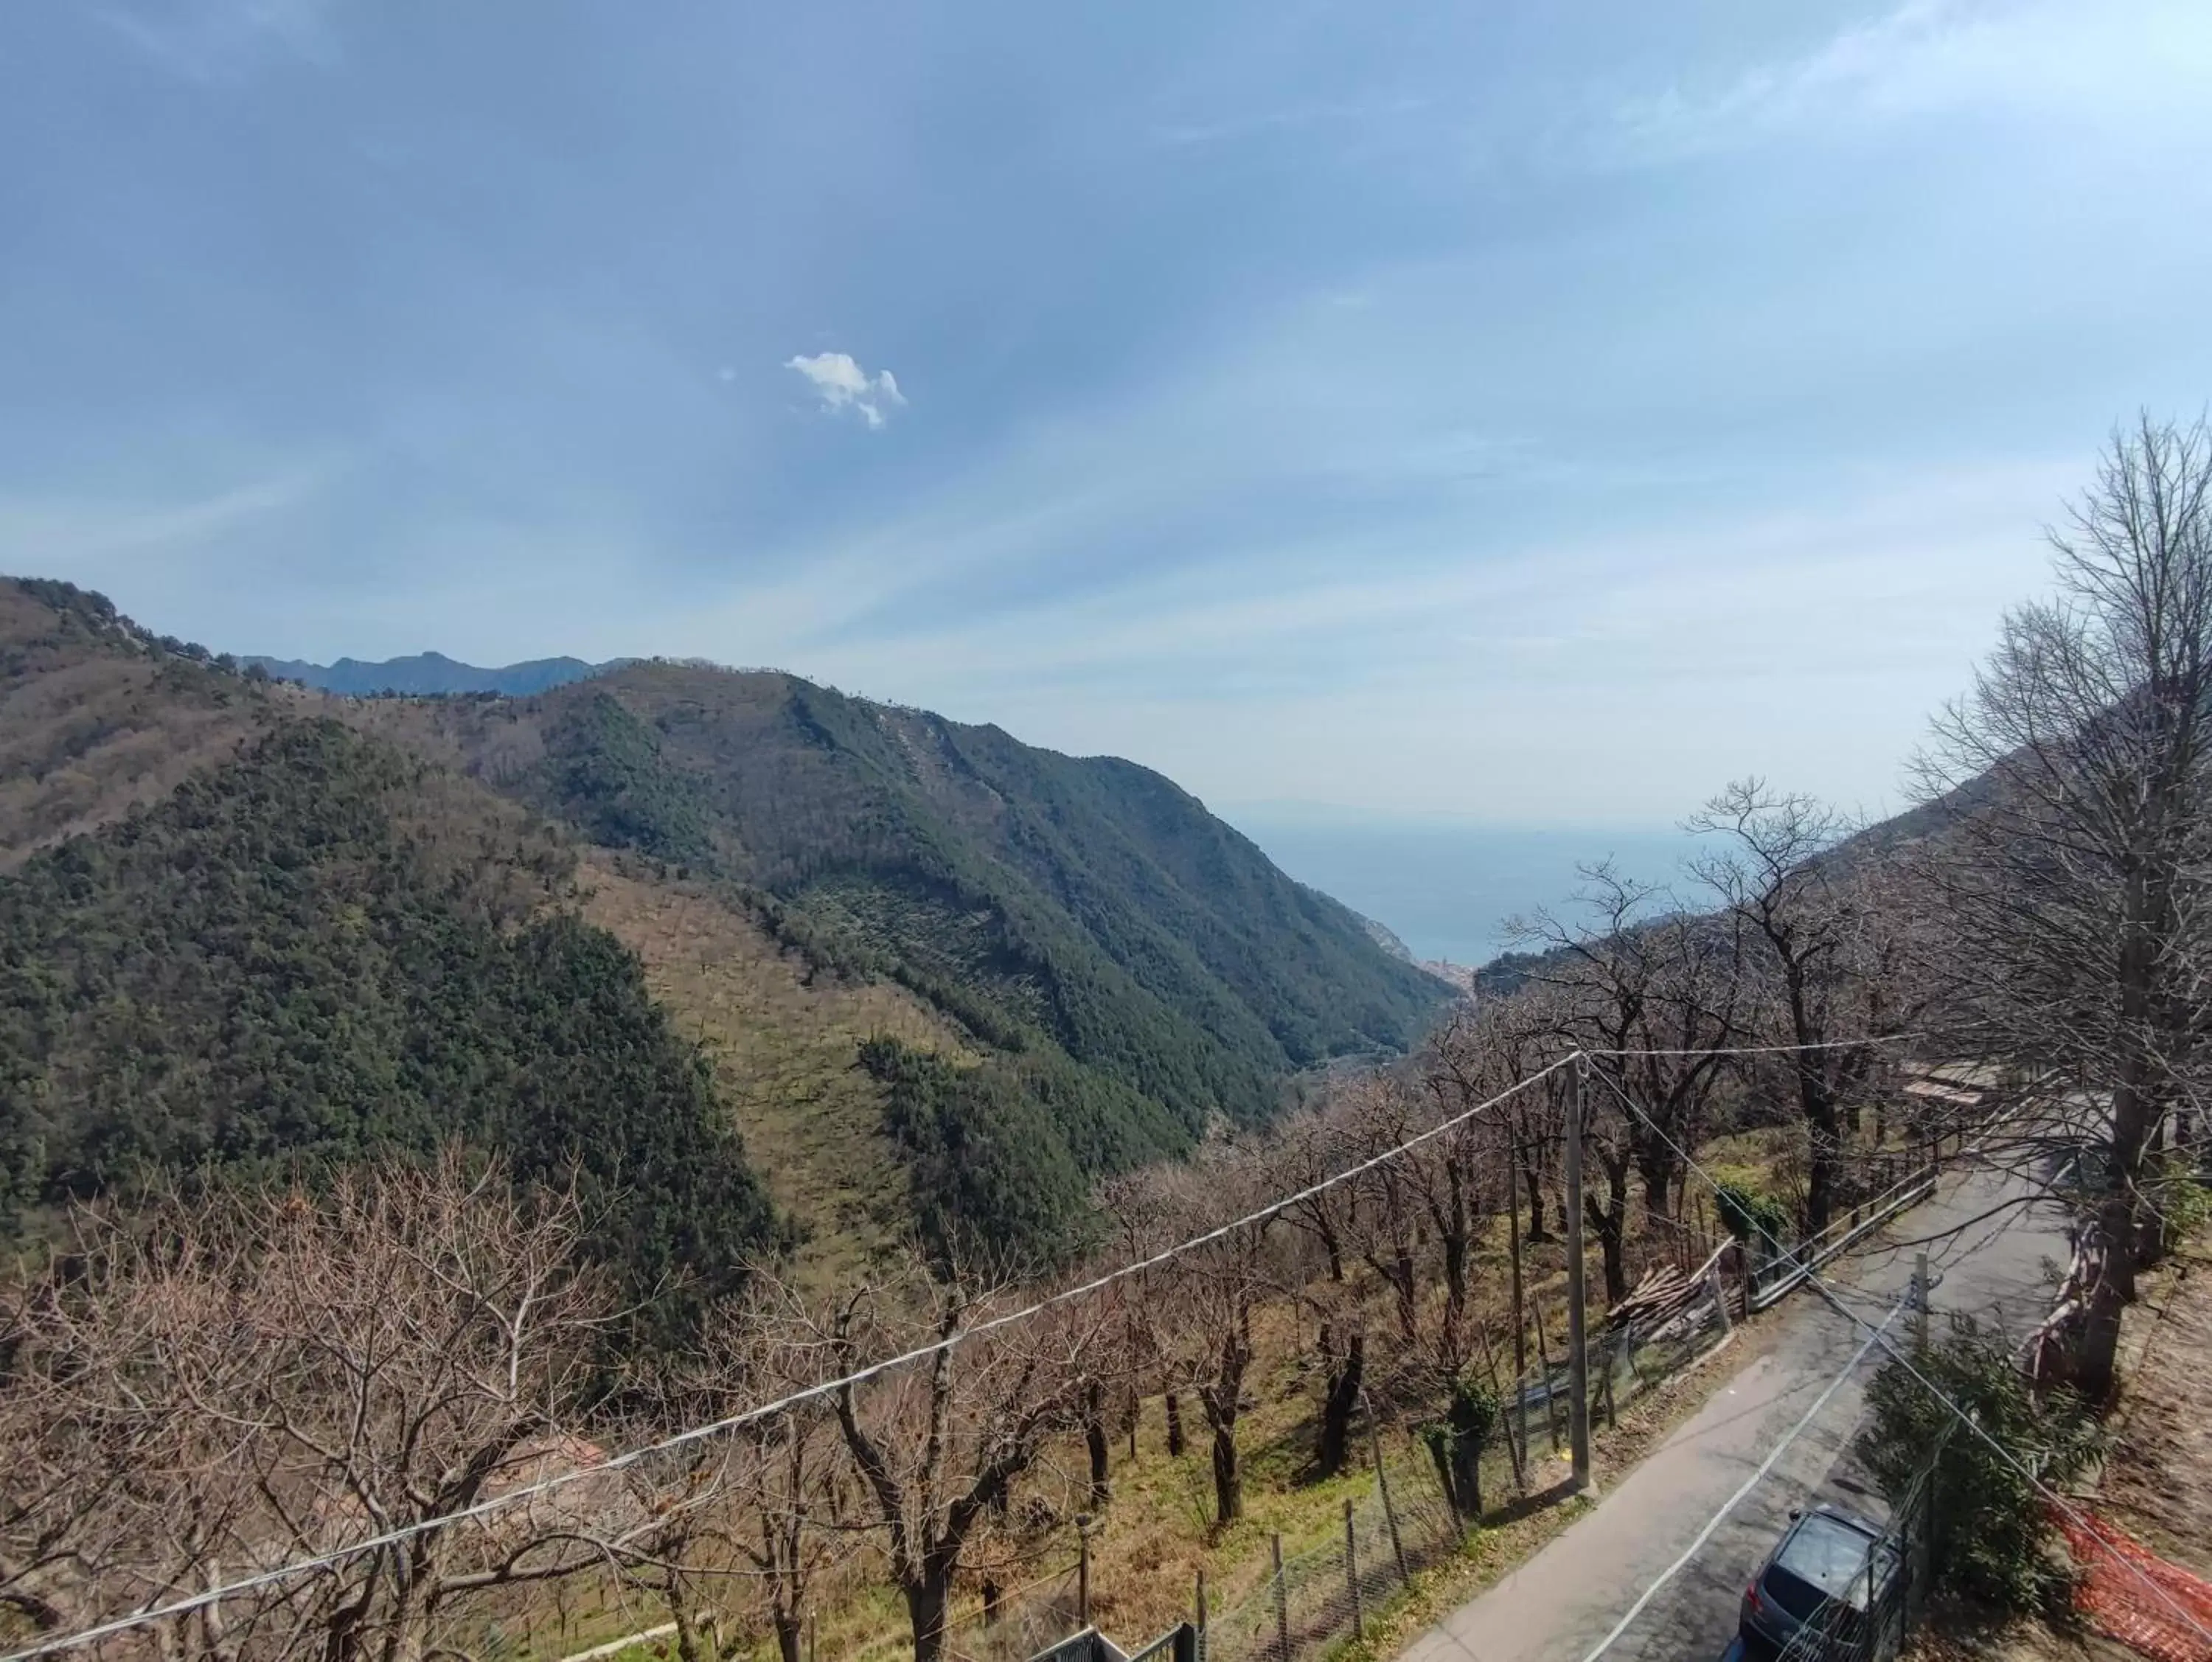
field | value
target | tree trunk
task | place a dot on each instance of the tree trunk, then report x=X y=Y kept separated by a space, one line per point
x=1611 y=1223
x=1408 y=1288
x=686 y=1626
x=926 y=1600
x=1337 y=1407
x=1467 y=1474
x=1228 y=1477
x=1824 y=1156
x=1536 y=1236
x=790 y=1630
x=1655 y=1167
x=1174 y=1426
x=1094 y=1438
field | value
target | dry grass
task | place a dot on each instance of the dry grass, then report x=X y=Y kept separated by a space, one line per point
x=2158 y=1481
x=87 y=731
x=785 y=1055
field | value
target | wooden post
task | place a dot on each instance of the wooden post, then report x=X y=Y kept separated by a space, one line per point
x=1282 y=1600
x=1520 y=1307
x=1352 y=1570
x=1389 y=1512
x=1201 y=1601
x=1612 y=1367
x=1920 y=1304
x=1083 y=1569
x=1550 y=1397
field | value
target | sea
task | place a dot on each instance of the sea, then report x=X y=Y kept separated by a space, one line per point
x=1447 y=887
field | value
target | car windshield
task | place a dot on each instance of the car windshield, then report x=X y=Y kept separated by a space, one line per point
x=1823 y=1558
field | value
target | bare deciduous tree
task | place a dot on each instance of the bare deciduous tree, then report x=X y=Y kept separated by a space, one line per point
x=286 y=1374
x=764 y=1506
x=939 y=1444
x=2077 y=866
x=1659 y=989
x=1802 y=921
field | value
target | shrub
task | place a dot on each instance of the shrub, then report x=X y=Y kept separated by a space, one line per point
x=1993 y=1541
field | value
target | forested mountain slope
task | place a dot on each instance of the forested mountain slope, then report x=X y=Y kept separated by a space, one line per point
x=317 y=945
x=1061 y=910
x=941 y=978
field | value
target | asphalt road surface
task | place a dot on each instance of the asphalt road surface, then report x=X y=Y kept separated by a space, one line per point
x=1566 y=1598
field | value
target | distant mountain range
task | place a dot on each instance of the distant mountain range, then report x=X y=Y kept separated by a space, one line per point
x=430 y=674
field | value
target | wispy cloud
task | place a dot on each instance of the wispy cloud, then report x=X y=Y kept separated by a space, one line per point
x=1934 y=56
x=217 y=40
x=842 y=384
x=42 y=534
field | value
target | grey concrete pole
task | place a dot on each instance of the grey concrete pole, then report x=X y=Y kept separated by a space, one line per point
x=1578 y=1436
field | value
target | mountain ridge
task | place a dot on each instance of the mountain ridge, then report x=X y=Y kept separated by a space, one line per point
x=430 y=674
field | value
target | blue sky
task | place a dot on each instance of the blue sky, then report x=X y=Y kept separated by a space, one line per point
x=1531 y=414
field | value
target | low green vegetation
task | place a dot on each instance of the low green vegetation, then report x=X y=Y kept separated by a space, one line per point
x=1994 y=1540
x=1748 y=1214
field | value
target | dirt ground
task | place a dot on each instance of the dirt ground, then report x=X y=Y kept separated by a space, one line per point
x=2157 y=1481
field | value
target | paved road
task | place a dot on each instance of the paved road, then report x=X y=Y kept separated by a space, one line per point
x=1563 y=1601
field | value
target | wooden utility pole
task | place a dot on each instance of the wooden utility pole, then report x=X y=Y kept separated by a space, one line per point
x=1578 y=1441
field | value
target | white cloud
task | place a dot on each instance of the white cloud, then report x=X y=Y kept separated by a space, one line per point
x=842 y=383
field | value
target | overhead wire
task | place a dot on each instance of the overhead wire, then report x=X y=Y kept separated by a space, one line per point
x=1831 y=1294
x=400 y=1533
x=1758 y=1475
x=395 y=1536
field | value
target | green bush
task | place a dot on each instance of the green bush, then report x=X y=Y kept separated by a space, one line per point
x=1993 y=1541
x=1746 y=1213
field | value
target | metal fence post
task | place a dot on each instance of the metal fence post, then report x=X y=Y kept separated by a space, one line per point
x=1282 y=1601
x=1352 y=1570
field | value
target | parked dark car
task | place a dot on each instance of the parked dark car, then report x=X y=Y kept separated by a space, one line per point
x=1814 y=1587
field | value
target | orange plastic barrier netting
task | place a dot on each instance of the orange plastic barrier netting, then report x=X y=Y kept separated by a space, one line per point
x=2118 y=1574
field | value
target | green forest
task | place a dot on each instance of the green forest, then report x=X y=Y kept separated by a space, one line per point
x=323 y=948
x=1137 y=968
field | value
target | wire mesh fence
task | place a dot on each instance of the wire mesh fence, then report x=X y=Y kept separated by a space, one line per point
x=1020 y=1622
x=1405 y=1525
x=1873 y=1619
